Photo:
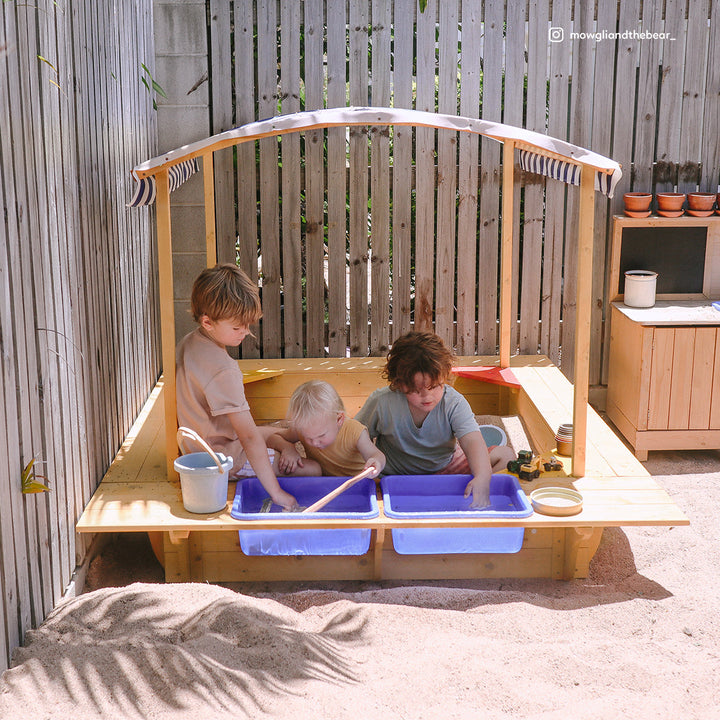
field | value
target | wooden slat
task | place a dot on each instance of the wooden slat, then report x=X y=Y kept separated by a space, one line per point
x=336 y=184
x=467 y=202
x=12 y=549
x=445 y=251
x=602 y=122
x=36 y=265
x=489 y=230
x=358 y=283
x=292 y=244
x=646 y=114
x=710 y=148
x=533 y=206
x=660 y=379
x=313 y=54
x=425 y=171
x=208 y=171
x=506 y=256
x=670 y=114
x=402 y=79
x=222 y=119
x=380 y=184
x=269 y=192
x=513 y=113
x=555 y=192
x=575 y=317
x=692 y=97
x=704 y=361
x=681 y=382
x=245 y=89
x=715 y=407
x=627 y=54
x=586 y=232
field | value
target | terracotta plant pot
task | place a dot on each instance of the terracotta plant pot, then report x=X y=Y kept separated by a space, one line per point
x=637 y=201
x=701 y=201
x=670 y=201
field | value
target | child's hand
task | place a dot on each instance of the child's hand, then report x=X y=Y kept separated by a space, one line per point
x=285 y=500
x=480 y=489
x=289 y=460
x=376 y=464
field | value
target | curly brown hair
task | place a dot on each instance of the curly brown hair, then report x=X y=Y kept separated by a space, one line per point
x=225 y=292
x=417 y=352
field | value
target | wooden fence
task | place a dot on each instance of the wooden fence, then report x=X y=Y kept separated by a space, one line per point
x=348 y=254
x=79 y=347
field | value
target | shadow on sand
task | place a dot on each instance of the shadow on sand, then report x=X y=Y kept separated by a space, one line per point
x=613 y=578
x=232 y=654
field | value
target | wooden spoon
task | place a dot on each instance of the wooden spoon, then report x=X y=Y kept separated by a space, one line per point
x=323 y=501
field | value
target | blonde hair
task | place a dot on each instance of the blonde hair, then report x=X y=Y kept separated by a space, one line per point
x=311 y=399
x=225 y=292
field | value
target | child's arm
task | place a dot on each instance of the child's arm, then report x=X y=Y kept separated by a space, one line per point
x=283 y=441
x=475 y=449
x=256 y=451
x=373 y=456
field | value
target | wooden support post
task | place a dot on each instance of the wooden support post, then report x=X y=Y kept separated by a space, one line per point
x=583 y=302
x=506 y=252
x=377 y=553
x=167 y=317
x=209 y=187
x=573 y=537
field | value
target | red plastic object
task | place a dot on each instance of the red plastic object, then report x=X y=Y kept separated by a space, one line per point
x=489 y=374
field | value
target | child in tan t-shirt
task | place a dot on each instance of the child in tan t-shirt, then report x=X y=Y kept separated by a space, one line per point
x=317 y=419
x=210 y=392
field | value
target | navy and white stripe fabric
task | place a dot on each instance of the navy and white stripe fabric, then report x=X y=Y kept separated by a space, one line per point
x=566 y=172
x=146 y=188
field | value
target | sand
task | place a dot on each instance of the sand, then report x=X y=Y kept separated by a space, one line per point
x=638 y=638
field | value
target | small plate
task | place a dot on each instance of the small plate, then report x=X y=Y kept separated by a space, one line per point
x=556 y=501
x=700 y=213
x=671 y=213
x=637 y=213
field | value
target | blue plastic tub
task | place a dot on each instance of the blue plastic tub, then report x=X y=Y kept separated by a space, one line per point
x=358 y=502
x=441 y=496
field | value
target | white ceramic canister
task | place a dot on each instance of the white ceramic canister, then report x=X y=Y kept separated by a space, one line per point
x=640 y=288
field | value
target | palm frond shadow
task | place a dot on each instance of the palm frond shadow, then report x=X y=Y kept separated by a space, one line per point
x=230 y=653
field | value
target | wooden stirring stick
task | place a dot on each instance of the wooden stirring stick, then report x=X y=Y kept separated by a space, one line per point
x=323 y=501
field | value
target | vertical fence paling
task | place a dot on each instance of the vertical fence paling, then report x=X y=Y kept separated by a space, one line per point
x=76 y=279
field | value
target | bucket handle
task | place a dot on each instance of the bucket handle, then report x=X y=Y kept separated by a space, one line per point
x=187 y=432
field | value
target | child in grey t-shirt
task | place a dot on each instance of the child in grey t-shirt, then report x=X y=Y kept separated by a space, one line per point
x=425 y=426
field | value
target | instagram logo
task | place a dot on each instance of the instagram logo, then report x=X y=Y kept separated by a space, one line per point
x=556 y=34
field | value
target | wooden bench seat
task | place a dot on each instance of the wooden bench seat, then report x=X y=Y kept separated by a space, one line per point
x=135 y=494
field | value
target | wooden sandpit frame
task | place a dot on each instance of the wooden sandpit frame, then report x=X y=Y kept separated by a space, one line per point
x=140 y=492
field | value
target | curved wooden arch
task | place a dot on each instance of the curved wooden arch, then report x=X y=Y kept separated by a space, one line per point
x=594 y=170
x=535 y=142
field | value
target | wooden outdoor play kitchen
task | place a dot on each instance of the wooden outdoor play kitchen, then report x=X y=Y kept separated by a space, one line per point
x=141 y=492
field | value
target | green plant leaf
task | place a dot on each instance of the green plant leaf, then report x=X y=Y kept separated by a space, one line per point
x=35 y=487
x=47 y=62
x=423 y=5
x=29 y=480
x=158 y=89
